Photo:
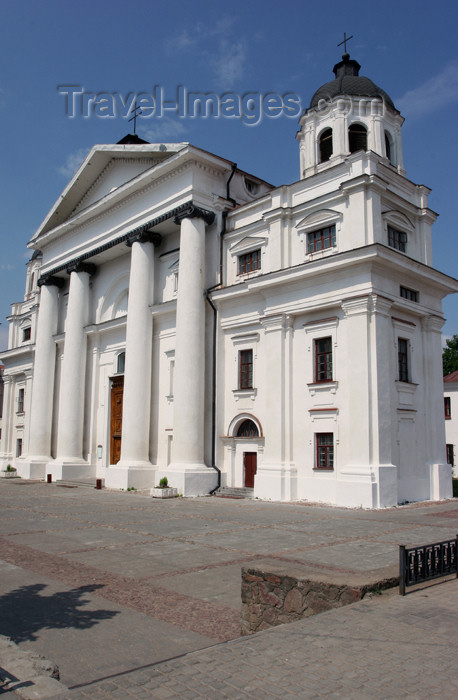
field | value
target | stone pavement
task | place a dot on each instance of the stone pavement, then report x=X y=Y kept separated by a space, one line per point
x=104 y=583
x=387 y=647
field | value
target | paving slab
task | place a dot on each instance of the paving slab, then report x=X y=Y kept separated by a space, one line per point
x=104 y=582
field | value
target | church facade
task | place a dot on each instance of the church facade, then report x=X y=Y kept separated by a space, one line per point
x=183 y=318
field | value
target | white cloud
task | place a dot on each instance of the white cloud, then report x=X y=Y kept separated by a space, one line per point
x=437 y=92
x=165 y=128
x=230 y=61
x=6 y=267
x=73 y=162
x=226 y=60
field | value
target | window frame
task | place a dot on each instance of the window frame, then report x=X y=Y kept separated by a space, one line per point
x=323 y=360
x=450 y=454
x=20 y=400
x=409 y=294
x=403 y=360
x=312 y=238
x=447 y=408
x=250 y=255
x=355 y=134
x=397 y=240
x=245 y=381
x=26 y=334
x=326 y=450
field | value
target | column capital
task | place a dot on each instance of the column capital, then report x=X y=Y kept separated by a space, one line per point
x=190 y=211
x=143 y=236
x=51 y=281
x=81 y=266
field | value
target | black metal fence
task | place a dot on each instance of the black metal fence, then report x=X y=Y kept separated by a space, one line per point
x=427 y=562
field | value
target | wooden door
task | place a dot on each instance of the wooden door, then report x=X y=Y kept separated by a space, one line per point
x=117 y=388
x=250 y=462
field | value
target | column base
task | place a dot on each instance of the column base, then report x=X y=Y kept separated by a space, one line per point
x=441 y=482
x=190 y=480
x=32 y=467
x=61 y=470
x=276 y=482
x=125 y=477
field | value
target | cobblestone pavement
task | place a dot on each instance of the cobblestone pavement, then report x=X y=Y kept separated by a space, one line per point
x=103 y=583
x=382 y=648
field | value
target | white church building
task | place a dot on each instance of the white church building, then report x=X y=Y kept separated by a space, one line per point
x=184 y=318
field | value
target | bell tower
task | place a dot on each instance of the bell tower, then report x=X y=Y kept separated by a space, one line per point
x=349 y=114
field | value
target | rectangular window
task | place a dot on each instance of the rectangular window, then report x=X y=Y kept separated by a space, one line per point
x=26 y=334
x=403 y=359
x=323 y=360
x=324 y=450
x=450 y=456
x=246 y=369
x=322 y=239
x=20 y=401
x=447 y=407
x=409 y=294
x=249 y=262
x=18 y=447
x=397 y=239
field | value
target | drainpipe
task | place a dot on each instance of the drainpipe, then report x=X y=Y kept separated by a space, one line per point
x=215 y=325
x=213 y=453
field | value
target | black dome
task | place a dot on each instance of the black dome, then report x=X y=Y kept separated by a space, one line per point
x=349 y=82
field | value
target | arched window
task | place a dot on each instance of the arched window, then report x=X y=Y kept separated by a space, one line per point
x=357 y=138
x=247 y=429
x=325 y=145
x=388 y=148
x=121 y=363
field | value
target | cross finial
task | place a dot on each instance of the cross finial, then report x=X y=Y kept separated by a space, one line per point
x=136 y=114
x=344 y=42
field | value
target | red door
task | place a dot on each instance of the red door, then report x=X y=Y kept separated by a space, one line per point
x=250 y=464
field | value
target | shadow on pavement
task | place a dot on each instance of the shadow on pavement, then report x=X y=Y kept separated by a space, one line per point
x=24 y=611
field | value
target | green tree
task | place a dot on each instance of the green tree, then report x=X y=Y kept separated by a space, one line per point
x=450 y=355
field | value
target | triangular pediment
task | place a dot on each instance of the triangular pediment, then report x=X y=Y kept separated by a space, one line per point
x=248 y=243
x=103 y=171
x=115 y=174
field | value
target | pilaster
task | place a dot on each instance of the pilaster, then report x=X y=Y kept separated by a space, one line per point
x=276 y=476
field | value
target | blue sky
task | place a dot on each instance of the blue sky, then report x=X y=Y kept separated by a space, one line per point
x=260 y=46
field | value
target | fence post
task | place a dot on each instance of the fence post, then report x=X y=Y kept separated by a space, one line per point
x=402 y=569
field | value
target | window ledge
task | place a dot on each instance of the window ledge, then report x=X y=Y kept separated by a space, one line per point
x=321 y=387
x=244 y=394
x=323 y=469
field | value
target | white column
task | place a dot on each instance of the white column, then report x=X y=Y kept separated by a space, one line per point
x=134 y=468
x=189 y=473
x=40 y=426
x=69 y=460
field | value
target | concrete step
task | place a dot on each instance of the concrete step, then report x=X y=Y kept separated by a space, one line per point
x=234 y=492
x=84 y=483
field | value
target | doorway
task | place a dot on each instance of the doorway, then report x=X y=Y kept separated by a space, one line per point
x=250 y=463
x=117 y=390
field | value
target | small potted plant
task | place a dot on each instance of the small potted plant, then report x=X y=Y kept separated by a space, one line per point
x=163 y=490
x=9 y=473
